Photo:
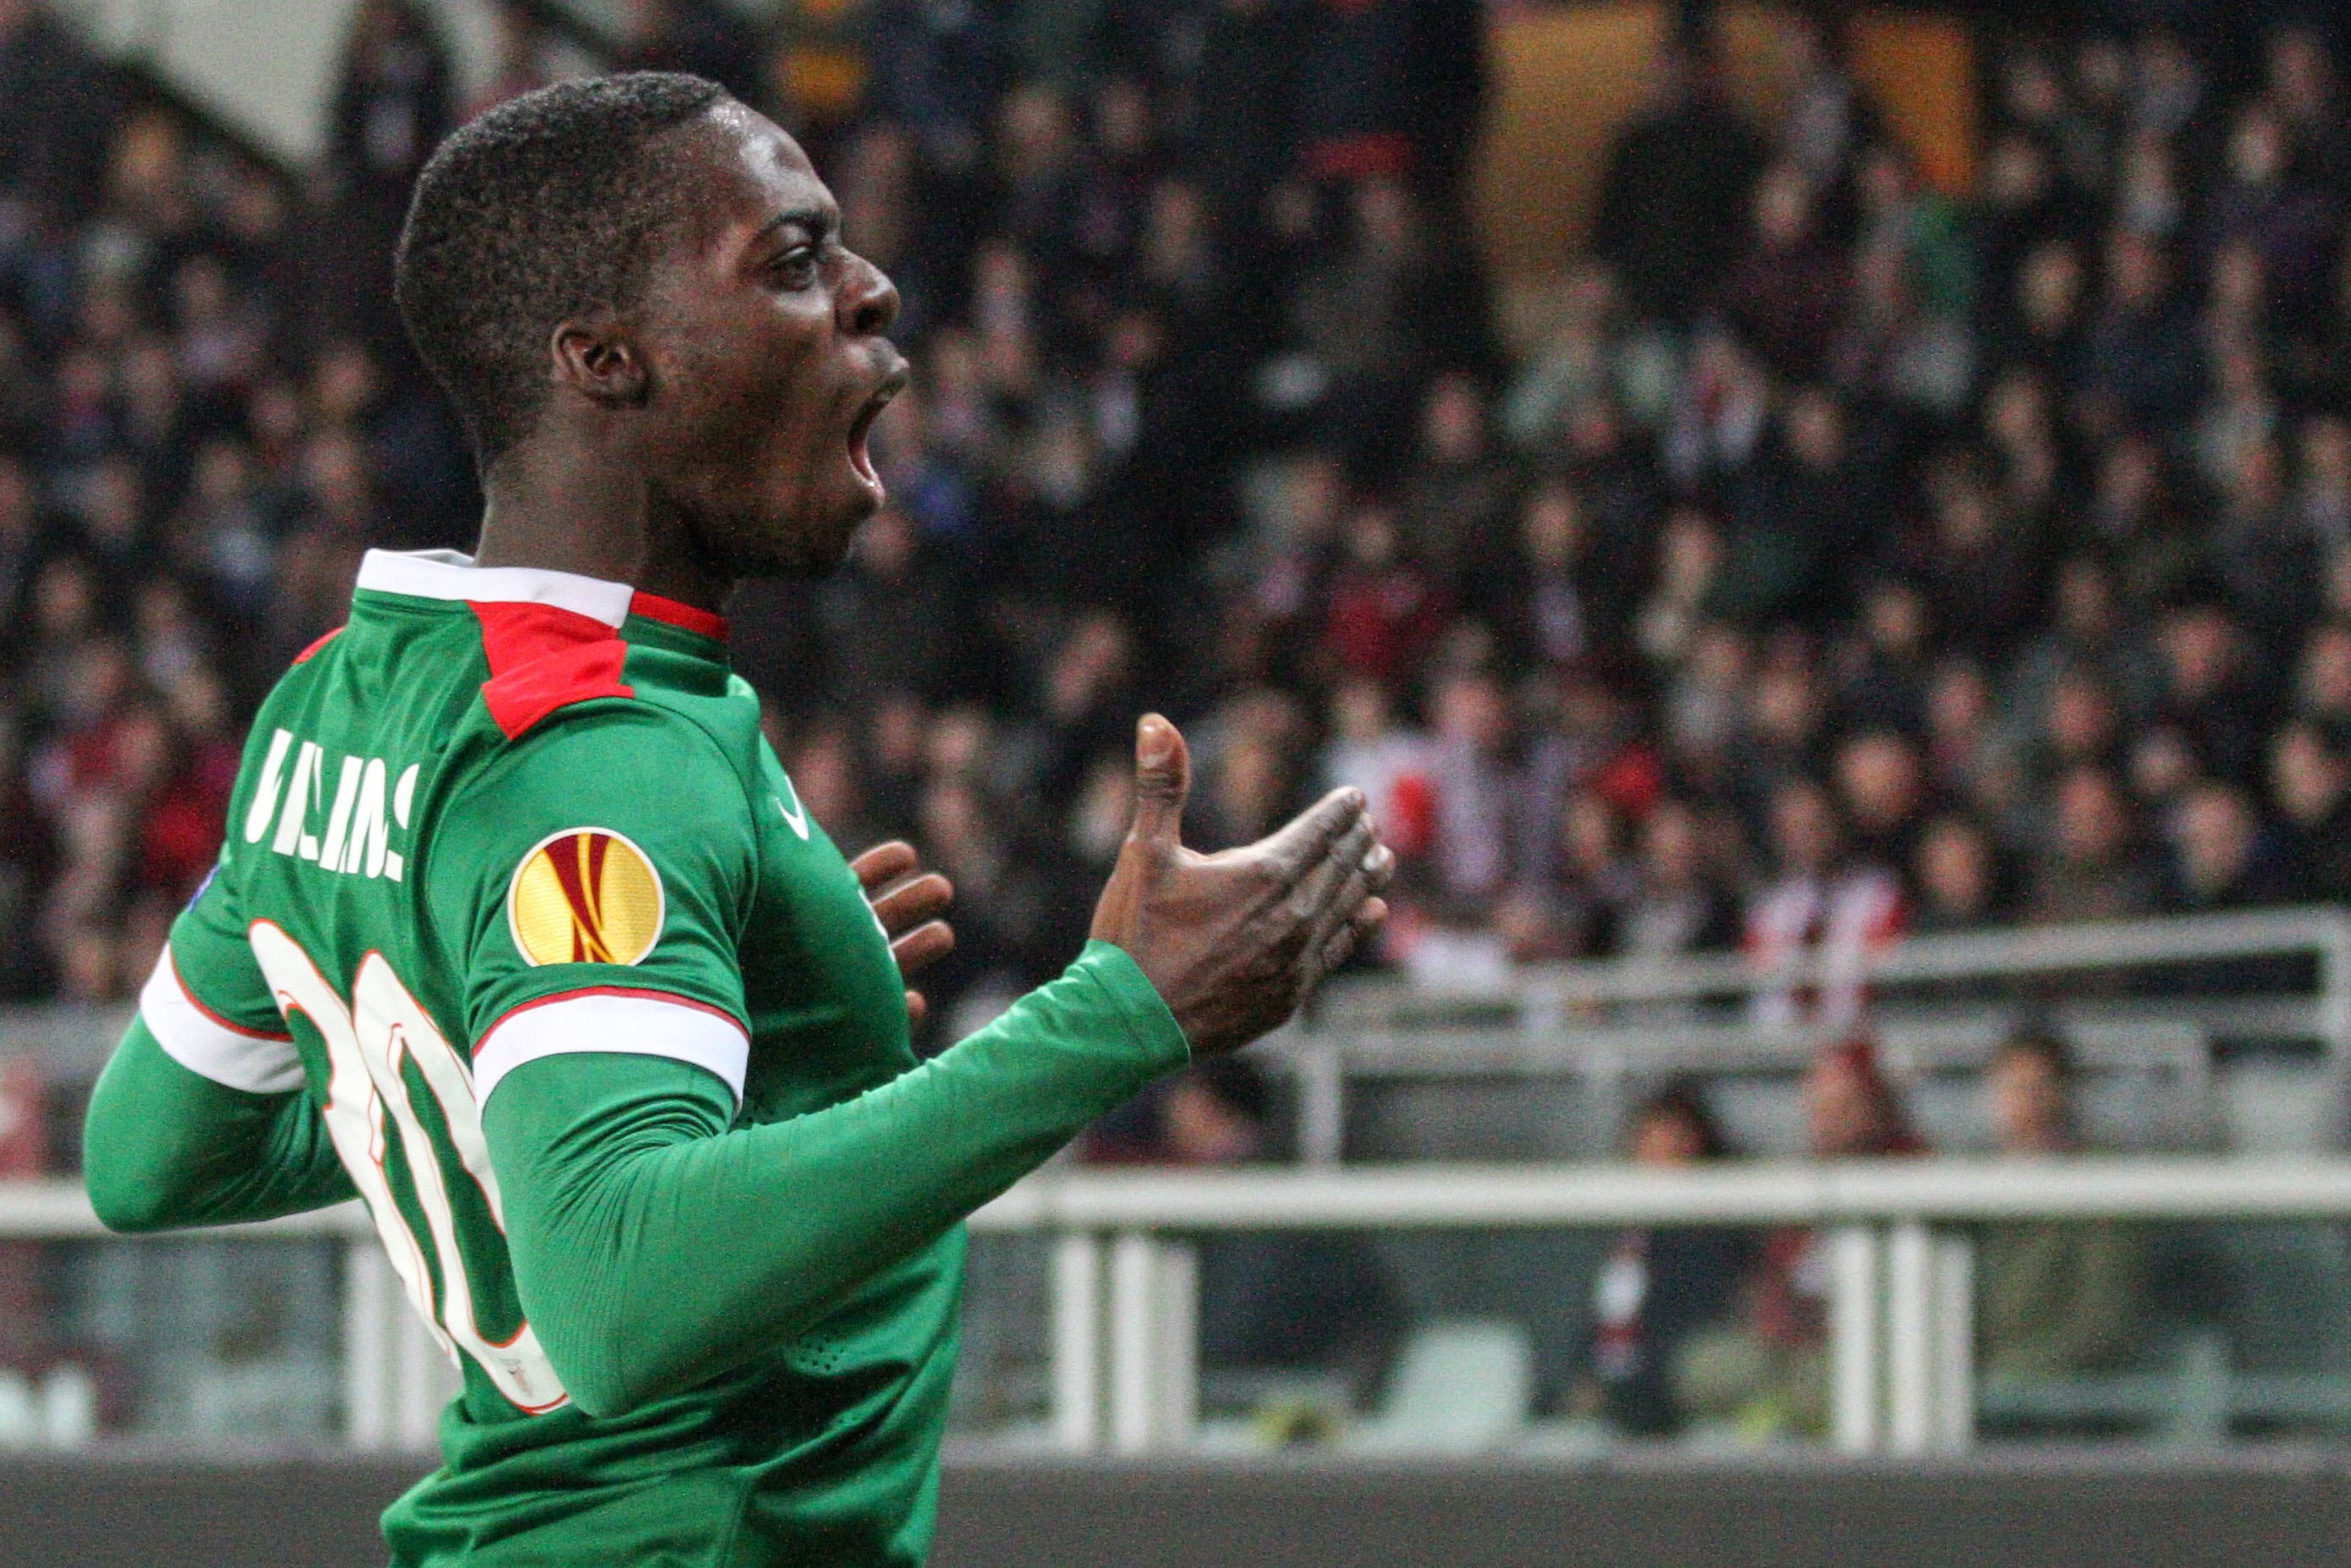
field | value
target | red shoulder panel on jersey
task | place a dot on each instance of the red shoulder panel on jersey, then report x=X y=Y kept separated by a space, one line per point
x=542 y=658
x=304 y=656
x=653 y=607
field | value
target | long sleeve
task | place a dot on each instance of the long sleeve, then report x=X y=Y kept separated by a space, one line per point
x=165 y=1147
x=2059 y=1298
x=654 y=1249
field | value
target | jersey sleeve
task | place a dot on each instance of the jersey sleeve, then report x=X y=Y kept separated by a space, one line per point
x=655 y=1247
x=588 y=887
x=207 y=1003
x=197 y=1119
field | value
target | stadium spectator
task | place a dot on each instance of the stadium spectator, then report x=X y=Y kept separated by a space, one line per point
x=396 y=100
x=1674 y=901
x=2053 y=1299
x=55 y=107
x=1675 y=179
x=24 y=1284
x=1959 y=878
x=2310 y=772
x=1766 y=1374
x=2094 y=868
x=2220 y=858
x=1318 y=1301
x=1828 y=903
x=1660 y=1286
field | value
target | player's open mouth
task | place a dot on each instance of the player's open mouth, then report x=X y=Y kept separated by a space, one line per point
x=861 y=456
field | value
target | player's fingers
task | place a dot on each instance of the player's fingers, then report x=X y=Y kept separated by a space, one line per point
x=884 y=864
x=1326 y=879
x=1295 y=847
x=908 y=905
x=1340 y=945
x=1345 y=879
x=917 y=1010
x=922 y=946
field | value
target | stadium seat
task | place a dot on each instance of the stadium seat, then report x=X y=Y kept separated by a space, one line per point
x=1460 y=1386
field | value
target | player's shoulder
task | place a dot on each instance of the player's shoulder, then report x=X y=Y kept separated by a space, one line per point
x=642 y=782
x=650 y=741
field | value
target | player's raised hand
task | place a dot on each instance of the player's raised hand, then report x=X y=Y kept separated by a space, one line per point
x=1235 y=941
x=908 y=902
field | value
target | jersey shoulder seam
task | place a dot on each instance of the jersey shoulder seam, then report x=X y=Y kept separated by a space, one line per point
x=745 y=777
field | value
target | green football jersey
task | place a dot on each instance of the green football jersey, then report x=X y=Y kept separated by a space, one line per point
x=505 y=815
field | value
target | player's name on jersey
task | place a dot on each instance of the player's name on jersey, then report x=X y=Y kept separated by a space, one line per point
x=349 y=833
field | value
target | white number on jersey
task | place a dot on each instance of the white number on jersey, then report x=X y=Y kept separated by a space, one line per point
x=366 y=1043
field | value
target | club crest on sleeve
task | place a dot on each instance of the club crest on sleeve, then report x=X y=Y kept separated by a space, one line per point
x=585 y=895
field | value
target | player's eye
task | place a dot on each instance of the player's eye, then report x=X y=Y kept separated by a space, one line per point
x=795 y=268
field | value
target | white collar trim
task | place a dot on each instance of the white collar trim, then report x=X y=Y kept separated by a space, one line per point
x=447 y=574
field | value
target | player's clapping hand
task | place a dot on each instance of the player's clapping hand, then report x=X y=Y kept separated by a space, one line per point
x=908 y=902
x=1235 y=941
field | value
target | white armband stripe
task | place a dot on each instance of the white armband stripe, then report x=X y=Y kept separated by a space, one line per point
x=209 y=1045
x=631 y=1023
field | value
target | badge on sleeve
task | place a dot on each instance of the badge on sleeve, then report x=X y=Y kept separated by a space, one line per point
x=585 y=895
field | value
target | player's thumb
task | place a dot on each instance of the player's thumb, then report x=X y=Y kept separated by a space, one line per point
x=1163 y=778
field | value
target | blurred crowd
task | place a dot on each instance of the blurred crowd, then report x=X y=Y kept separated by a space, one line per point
x=206 y=413
x=1843 y=557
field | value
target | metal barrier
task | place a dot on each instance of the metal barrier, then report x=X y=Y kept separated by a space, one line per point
x=1124 y=1288
x=1603 y=1020
x=395 y=1379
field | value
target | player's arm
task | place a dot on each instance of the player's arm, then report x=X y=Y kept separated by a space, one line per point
x=655 y=1248
x=165 y=1147
x=200 y=1118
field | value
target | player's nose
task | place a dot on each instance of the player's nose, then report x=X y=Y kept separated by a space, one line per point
x=868 y=301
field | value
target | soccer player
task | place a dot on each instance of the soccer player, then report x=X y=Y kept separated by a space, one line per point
x=521 y=935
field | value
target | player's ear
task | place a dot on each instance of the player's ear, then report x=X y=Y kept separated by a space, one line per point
x=599 y=359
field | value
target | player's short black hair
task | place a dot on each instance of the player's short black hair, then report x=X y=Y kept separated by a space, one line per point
x=542 y=209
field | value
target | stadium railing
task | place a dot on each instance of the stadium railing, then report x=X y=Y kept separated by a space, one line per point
x=1124 y=1280
x=1899 y=1266
x=1606 y=1021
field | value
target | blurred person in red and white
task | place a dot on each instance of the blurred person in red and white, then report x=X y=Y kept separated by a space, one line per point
x=1372 y=748
x=1823 y=902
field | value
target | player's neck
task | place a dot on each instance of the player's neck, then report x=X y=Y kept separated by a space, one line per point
x=578 y=509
